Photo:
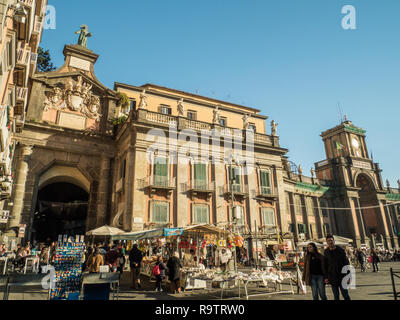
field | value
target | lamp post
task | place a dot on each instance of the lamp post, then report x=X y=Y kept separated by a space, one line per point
x=234 y=219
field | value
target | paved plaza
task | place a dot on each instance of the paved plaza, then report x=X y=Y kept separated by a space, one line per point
x=369 y=286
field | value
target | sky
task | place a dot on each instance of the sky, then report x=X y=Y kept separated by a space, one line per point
x=292 y=59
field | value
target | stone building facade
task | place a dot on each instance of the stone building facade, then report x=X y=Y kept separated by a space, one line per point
x=21 y=25
x=172 y=158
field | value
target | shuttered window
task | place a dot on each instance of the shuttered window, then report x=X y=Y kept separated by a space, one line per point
x=236 y=177
x=200 y=214
x=302 y=228
x=268 y=216
x=265 y=182
x=160 y=212
x=160 y=171
x=200 y=176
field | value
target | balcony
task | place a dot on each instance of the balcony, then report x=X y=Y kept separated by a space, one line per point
x=27 y=3
x=19 y=122
x=200 y=187
x=265 y=193
x=268 y=230
x=158 y=183
x=180 y=123
x=238 y=190
x=37 y=27
x=22 y=94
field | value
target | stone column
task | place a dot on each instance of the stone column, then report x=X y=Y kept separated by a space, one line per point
x=220 y=203
x=294 y=219
x=140 y=209
x=305 y=215
x=102 y=193
x=182 y=202
x=281 y=201
x=253 y=212
x=129 y=182
x=19 y=185
x=392 y=235
x=361 y=224
x=320 y=219
x=354 y=222
x=385 y=222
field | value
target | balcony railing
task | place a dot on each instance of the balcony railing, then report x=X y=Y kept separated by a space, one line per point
x=236 y=189
x=37 y=28
x=22 y=94
x=168 y=120
x=28 y=3
x=268 y=229
x=162 y=182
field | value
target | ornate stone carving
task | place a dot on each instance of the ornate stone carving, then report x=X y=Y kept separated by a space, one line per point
x=143 y=100
x=216 y=115
x=246 y=124
x=76 y=96
x=273 y=127
x=181 y=108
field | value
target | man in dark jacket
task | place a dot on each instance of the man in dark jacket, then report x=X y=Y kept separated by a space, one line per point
x=335 y=259
x=135 y=259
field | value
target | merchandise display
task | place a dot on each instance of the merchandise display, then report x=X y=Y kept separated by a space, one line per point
x=68 y=270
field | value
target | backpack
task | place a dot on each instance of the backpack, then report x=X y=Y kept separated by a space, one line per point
x=156 y=270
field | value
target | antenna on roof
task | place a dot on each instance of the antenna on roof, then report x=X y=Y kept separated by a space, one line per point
x=340 y=112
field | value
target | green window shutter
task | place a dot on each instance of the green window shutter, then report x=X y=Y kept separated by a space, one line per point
x=160 y=212
x=200 y=214
x=200 y=175
x=265 y=182
x=161 y=171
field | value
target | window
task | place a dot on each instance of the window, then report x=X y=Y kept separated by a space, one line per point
x=302 y=228
x=327 y=228
x=235 y=179
x=200 y=176
x=292 y=227
x=192 y=115
x=268 y=216
x=252 y=127
x=200 y=214
x=310 y=207
x=123 y=169
x=265 y=182
x=132 y=105
x=222 y=121
x=160 y=212
x=160 y=176
x=323 y=206
x=165 y=109
x=238 y=212
x=297 y=205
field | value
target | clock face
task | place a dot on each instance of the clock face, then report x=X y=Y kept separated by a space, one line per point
x=355 y=143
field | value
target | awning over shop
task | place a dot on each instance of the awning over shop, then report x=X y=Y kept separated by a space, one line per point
x=148 y=234
x=104 y=231
x=206 y=229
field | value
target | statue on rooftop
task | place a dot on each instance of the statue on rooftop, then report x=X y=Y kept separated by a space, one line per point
x=246 y=123
x=83 y=35
x=273 y=127
x=181 y=108
x=143 y=100
x=216 y=115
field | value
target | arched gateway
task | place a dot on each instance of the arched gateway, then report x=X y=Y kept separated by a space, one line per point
x=63 y=158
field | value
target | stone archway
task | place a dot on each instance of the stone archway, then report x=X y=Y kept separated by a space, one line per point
x=61 y=203
x=369 y=205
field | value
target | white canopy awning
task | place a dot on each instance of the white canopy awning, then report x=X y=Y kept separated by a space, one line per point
x=104 y=231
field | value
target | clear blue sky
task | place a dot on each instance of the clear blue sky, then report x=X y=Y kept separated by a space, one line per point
x=289 y=58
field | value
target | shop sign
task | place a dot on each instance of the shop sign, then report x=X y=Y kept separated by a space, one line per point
x=287 y=245
x=21 y=231
x=4 y=216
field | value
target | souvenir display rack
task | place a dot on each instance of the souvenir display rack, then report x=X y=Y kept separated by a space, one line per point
x=68 y=269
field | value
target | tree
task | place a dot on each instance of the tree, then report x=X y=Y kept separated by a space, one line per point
x=44 y=63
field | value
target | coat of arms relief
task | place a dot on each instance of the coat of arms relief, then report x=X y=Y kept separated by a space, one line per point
x=76 y=96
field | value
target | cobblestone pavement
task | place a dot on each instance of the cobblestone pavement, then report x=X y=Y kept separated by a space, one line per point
x=369 y=286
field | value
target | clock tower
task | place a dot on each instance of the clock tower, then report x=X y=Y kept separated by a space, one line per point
x=356 y=188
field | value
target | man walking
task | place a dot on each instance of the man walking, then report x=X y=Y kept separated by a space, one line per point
x=361 y=259
x=335 y=259
x=135 y=259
